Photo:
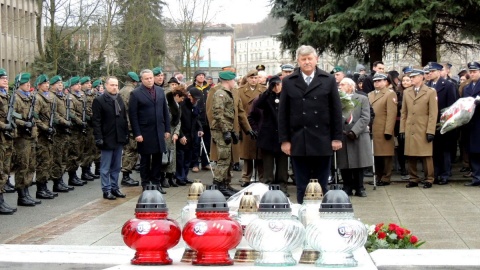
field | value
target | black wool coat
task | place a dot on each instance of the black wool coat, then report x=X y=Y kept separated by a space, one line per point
x=191 y=124
x=264 y=119
x=310 y=117
x=107 y=126
x=149 y=118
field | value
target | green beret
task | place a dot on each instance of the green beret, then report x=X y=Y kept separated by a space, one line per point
x=66 y=84
x=74 y=80
x=97 y=83
x=135 y=77
x=55 y=79
x=85 y=79
x=336 y=69
x=157 y=70
x=24 y=79
x=3 y=72
x=40 y=79
x=227 y=75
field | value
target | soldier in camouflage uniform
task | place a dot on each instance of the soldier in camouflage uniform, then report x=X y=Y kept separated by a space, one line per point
x=43 y=108
x=6 y=143
x=62 y=136
x=130 y=155
x=77 y=142
x=24 y=143
x=90 y=152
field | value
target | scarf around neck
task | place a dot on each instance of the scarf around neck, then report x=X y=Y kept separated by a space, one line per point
x=117 y=105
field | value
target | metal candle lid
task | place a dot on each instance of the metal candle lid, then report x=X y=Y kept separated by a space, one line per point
x=151 y=200
x=274 y=200
x=247 y=203
x=336 y=201
x=313 y=191
x=212 y=200
x=195 y=190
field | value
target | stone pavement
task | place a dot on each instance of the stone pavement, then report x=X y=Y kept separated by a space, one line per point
x=446 y=217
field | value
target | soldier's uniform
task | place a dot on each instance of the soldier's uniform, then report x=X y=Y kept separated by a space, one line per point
x=62 y=137
x=89 y=152
x=43 y=108
x=6 y=146
x=130 y=155
x=24 y=143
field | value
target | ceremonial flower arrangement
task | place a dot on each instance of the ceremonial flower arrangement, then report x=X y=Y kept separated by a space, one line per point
x=347 y=106
x=459 y=114
x=391 y=236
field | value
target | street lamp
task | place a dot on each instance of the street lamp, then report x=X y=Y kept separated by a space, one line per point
x=247 y=55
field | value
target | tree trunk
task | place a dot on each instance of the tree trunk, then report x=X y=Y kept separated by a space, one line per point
x=39 y=26
x=428 y=45
x=375 y=50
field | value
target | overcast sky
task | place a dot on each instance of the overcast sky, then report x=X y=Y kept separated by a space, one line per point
x=231 y=11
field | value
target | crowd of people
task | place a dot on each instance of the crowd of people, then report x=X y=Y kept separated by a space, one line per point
x=174 y=128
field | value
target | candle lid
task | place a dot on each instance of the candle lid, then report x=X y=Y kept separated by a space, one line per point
x=151 y=200
x=336 y=201
x=274 y=200
x=212 y=200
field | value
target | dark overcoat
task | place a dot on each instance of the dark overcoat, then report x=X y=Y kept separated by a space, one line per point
x=310 y=116
x=149 y=118
x=190 y=123
x=264 y=118
x=107 y=126
x=473 y=127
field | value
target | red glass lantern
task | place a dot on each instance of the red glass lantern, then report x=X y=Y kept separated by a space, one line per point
x=151 y=233
x=213 y=232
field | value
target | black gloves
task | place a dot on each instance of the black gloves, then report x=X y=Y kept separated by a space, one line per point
x=253 y=134
x=227 y=137
x=351 y=135
x=234 y=137
x=99 y=143
x=387 y=136
x=401 y=136
x=28 y=124
x=51 y=131
x=430 y=137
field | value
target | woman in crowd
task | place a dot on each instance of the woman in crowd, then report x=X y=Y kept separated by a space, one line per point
x=356 y=153
x=404 y=84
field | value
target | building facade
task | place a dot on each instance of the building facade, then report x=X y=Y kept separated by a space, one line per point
x=18 y=35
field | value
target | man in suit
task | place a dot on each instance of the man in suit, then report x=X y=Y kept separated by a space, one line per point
x=110 y=130
x=368 y=84
x=472 y=129
x=150 y=122
x=443 y=143
x=310 y=120
x=417 y=127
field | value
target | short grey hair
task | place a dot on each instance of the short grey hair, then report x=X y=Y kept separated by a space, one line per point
x=109 y=78
x=349 y=82
x=306 y=50
x=145 y=71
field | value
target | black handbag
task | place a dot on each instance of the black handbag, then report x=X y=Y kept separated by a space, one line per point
x=167 y=157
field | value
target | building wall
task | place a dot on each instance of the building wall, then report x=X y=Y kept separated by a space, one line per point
x=18 y=45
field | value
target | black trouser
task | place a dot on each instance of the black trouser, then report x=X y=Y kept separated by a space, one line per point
x=352 y=179
x=150 y=168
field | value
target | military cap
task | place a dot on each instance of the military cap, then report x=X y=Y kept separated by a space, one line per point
x=416 y=72
x=40 y=79
x=227 y=75
x=252 y=72
x=336 y=69
x=55 y=79
x=407 y=69
x=133 y=76
x=66 y=84
x=195 y=93
x=157 y=70
x=379 y=76
x=434 y=66
x=85 y=79
x=24 y=78
x=96 y=83
x=74 y=80
x=173 y=80
x=287 y=67
x=260 y=67
x=3 y=72
x=426 y=69
x=462 y=72
x=473 y=66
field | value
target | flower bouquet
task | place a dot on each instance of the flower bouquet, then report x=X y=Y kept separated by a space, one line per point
x=347 y=106
x=459 y=114
x=391 y=236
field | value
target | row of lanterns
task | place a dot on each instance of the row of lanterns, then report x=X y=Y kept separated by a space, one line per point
x=265 y=234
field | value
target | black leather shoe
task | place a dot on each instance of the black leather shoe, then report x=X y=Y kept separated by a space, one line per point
x=442 y=182
x=70 y=188
x=5 y=209
x=23 y=200
x=472 y=184
x=181 y=183
x=42 y=194
x=117 y=193
x=130 y=182
x=427 y=185
x=411 y=184
x=27 y=194
x=172 y=181
x=58 y=187
x=361 y=193
x=229 y=187
x=109 y=196
x=381 y=183
x=164 y=183
x=188 y=181
x=245 y=184
x=86 y=177
x=159 y=188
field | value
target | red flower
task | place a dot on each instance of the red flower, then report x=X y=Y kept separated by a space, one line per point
x=400 y=232
x=382 y=235
x=378 y=227
x=413 y=239
x=407 y=231
x=392 y=226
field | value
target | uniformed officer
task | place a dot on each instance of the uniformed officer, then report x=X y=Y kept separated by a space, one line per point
x=6 y=141
x=43 y=109
x=384 y=104
x=24 y=143
x=130 y=155
x=417 y=127
x=90 y=152
x=472 y=129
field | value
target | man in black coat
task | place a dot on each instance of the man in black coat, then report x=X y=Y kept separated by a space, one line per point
x=150 y=122
x=310 y=120
x=378 y=66
x=110 y=130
